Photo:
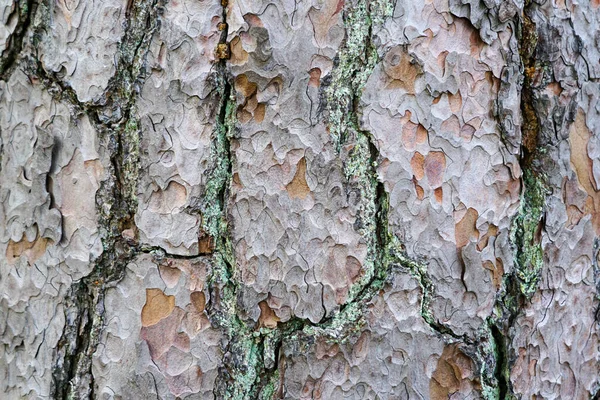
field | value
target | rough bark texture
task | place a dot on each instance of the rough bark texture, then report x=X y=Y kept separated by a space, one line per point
x=318 y=199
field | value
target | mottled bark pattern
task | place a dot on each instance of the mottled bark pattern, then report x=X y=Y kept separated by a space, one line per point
x=322 y=199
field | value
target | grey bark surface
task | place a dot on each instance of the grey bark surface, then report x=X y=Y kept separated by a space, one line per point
x=322 y=199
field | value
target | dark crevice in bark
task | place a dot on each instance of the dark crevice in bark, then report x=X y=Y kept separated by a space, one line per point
x=116 y=202
x=251 y=358
x=159 y=253
x=502 y=367
x=24 y=10
x=522 y=282
x=596 y=268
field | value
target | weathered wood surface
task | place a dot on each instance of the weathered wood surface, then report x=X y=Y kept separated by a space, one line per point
x=299 y=199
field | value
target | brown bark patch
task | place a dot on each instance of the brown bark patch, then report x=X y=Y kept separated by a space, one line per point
x=416 y=163
x=32 y=250
x=466 y=228
x=244 y=86
x=435 y=166
x=315 y=77
x=259 y=112
x=419 y=190
x=491 y=232
x=251 y=108
x=579 y=137
x=298 y=187
x=239 y=56
x=165 y=201
x=453 y=373
x=267 y=318
x=438 y=193
x=205 y=243
x=198 y=300
x=158 y=306
x=403 y=70
x=413 y=134
x=497 y=271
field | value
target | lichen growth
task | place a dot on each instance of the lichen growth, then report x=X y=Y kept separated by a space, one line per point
x=213 y=219
x=525 y=231
x=270 y=389
x=130 y=157
x=356 y=61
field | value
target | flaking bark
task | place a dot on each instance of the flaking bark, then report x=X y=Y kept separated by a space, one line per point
x=238 y=199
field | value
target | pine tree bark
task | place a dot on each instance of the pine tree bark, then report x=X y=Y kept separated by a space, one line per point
x=326 y=199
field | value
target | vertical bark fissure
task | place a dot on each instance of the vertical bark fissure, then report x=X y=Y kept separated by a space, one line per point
x=25 y=9
x=241 y=353
x=596 y=267
x=353 y=66
x=251 y=367
x=116 y=203
x=522 y=282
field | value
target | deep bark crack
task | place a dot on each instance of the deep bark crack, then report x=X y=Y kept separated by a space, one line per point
x=251 y=361
x=116 y=202
x=522 y=282
x=25 y=9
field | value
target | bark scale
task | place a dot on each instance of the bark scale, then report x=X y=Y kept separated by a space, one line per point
x=275 y=199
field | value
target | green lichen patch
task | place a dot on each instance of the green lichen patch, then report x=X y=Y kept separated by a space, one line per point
x=116 y=198
x=129 y=154
x=24 y=11
x=355 y=63
x=525 y=232
x=213 y=216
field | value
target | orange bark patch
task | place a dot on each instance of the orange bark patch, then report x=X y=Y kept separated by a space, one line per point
x=158 y=306
x=267 y=318
x=315 y=77
x=453 y=372
x=298 y=187
x=466 y=228
x=416 y=163
x=198 y=300
x=399 y=66
x=238 y=54
x=491 y=232
x=438 y=193
x=497 y=271
x=579 y=137
x=435 y=166
x=32 y=250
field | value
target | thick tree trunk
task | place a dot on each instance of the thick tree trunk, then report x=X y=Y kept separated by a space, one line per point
x=317 y=199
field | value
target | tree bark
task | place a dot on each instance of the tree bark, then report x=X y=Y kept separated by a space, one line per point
x=326 y=199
